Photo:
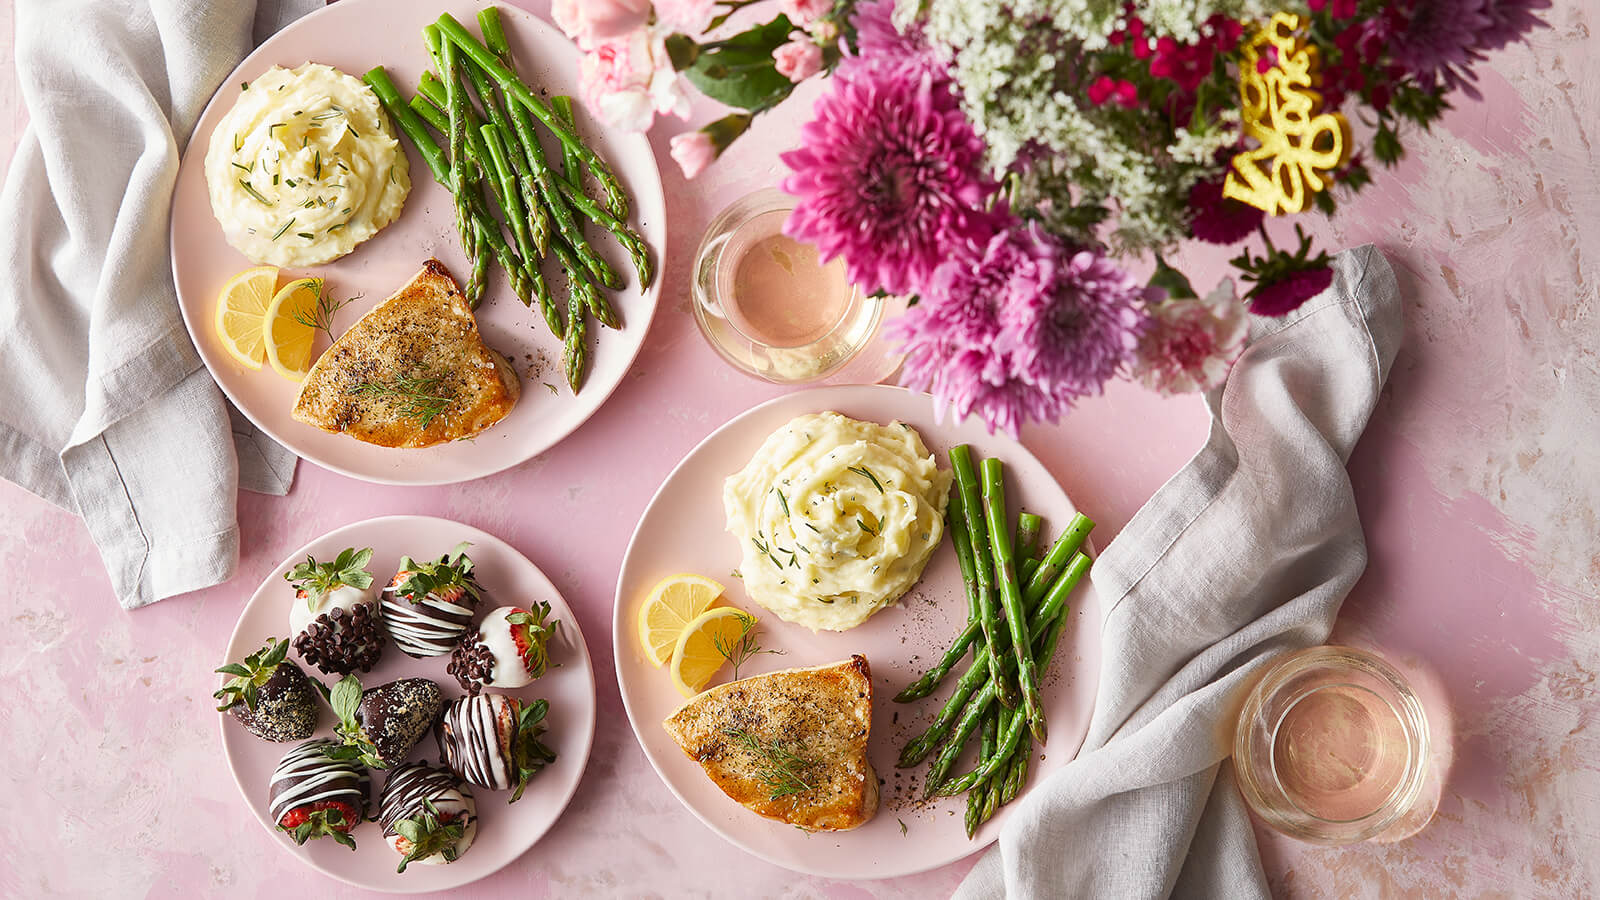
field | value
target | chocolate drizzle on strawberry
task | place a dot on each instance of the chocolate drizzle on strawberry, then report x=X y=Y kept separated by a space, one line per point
x=427 y=607
x=427 y=814
x=313 y=794
x=492 y=741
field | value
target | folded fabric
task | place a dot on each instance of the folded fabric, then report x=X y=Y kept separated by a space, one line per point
x=1244 y=555
x=106 y=409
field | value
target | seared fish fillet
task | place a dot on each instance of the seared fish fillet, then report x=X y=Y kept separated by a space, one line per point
x=790 y=745
x=413 y=372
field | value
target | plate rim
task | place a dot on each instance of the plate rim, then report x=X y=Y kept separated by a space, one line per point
x=618 y=630
x=589 y=724
x=651 y=294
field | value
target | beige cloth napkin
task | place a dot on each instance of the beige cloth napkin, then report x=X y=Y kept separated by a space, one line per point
x=105 y=408
x=1244 y=555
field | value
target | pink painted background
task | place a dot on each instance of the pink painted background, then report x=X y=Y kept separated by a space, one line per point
x=1478 y=480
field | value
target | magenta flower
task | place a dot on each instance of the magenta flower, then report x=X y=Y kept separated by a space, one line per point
x=1284 y=296
x=1443 y=39
x=890 y=176
x=1016 y=329
x=878 y=39
x=1218 y=219
x=1192 y=342
x=1076 y=333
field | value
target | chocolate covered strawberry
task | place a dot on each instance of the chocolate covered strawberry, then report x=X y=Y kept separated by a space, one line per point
x=428 y=606
x=269 y=695
x=509 y=650
x=335 y=617
x=492 y=741
x=428 y=816
x=316 y=794
x=380 y=725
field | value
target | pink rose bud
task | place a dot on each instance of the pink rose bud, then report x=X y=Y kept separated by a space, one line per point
x=802 y=12
x=590 y=21
x=693 y=151
x=798 y=60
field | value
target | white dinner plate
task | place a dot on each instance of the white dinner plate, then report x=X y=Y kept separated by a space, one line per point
x=684 y=530
x=505 y=831
x=354 y=36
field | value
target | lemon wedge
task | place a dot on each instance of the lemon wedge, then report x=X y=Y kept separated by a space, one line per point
x=288 y=336
x=241 y=310
x=673 y=603
x=704 y=646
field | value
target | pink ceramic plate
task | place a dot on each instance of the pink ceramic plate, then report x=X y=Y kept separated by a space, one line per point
x=683 y=530
x=505 y=831
x=354 y=36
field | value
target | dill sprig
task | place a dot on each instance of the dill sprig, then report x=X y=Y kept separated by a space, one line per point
x=417 y=400
x=740 y=649
x=779 y=770
x=863 y=470
x=320 y=318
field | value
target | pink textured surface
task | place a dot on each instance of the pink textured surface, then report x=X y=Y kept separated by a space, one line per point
x=1477 y=482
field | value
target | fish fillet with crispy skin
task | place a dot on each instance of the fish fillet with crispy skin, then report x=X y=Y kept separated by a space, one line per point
x=412 y=372
x=790 y=745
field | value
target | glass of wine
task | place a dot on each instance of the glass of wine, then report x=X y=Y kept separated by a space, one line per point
x=1333 y=748
x=770 y=307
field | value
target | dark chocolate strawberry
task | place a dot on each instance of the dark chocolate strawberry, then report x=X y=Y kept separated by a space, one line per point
x=427 y=815
x=270 y=696
x=335 y=618
x=510 y=649
x=380 y=725
x=428 y=606
x=316 y=794
x=492 y=741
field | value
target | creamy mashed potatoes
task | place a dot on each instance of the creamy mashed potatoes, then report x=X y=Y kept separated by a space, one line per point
x=836 y=517
x=304 y=167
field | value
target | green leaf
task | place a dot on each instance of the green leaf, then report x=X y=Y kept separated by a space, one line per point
x=346 y=699
x=234 y=669
x=740 y=71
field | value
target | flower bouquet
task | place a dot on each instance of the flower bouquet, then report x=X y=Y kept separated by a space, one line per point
x=1006 y=162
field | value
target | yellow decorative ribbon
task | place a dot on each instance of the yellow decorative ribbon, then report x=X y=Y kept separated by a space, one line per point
x=1281 y=110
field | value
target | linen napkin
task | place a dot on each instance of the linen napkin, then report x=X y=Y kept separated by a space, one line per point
x=105 y=408
x=1244 y=555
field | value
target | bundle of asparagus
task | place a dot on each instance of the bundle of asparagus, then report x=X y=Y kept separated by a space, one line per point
x=486 y=115
x=1012 y=638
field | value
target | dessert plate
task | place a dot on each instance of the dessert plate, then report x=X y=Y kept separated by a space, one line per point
x=683 y=530
x=354 y=36
x=505 y=831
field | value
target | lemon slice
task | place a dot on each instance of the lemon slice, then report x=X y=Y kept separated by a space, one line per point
x=241 y=309
x=288 y=338
x=696 y=657
x=673 y=603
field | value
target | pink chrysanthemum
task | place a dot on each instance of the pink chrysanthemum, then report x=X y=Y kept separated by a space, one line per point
x=1075 y=334
x=877 y=38
x=1285 y=295
x=890 y=175
x=1192 y=342
x=1017 y=329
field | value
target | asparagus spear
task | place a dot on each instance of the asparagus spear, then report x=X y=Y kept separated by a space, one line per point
x=462 y=179
x=527 y=282
x=537 y=221
x=989 y=611
x=1005 y=564
x=978 y=797
x=1011 y=738
x=516 y=91
x=976 y=679
x=414 y=129
x=1027 y=542
x=1017 y=773
x=1060 y=554
x=956 y=523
